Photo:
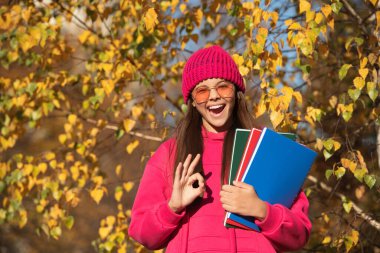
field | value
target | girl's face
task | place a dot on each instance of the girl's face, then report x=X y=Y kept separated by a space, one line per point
x=215 y=100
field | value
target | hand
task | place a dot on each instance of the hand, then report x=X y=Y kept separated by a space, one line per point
x=241 y=198
x=183 y=191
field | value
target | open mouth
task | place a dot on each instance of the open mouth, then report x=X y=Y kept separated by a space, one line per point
x=216 y=109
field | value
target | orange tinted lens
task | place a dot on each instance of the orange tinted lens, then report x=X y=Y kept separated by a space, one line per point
x=201 y=94
x=225 y=90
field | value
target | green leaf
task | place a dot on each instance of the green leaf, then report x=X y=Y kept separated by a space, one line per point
x=347 y=116
x=328 y=174
x=370 y=180
x=328 y=144
x=119 y=133
x=31 y=88
x=347 y=206
x=336 y=7
x=340 y=172
x=56 y=232
x=354 y=94
x=360 y=173
x=343 y=70
x=326 y=154
x=184 y=108
x=2 y=186
x=373 y=94
x=359 y=41
x=233 y=32
x=69 y=222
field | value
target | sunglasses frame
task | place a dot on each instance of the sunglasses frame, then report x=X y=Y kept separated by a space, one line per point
x=215 y=88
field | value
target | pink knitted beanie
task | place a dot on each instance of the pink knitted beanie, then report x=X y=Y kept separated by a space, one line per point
x=207 y=63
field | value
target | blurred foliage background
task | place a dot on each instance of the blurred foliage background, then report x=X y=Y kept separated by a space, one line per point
x=89 y=89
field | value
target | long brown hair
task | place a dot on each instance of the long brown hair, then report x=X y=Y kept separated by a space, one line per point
x=189 y=138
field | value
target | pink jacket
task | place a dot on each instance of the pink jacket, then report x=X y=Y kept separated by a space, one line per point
x=200 y=227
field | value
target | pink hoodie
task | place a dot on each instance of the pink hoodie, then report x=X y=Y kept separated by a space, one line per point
x=200 y=227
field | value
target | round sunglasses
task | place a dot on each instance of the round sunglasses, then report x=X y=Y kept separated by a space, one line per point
x=201 y=94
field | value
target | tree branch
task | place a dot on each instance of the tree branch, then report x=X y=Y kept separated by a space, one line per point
x=352 y=11
x=355 y=207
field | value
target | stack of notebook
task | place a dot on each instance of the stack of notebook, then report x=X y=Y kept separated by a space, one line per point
x=273 y=163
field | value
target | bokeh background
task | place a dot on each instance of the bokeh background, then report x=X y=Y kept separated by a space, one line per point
x=90 y=88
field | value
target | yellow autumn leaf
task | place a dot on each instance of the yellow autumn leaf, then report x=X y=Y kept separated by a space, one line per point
x=326 y=240
x=238 y=59
x=62 y=138
x=97 y=194
x=363 y=73
x=310 y=16
x=318 y=18
x=326 y=10
x=348 y=164
x=288 y=92
x=243 y=70
x=295 y=26
x=136 y=111
x=128 y=186
x=297 y=95
x=337 y=145
x=248 y=5
x=118 y=169
x=182 y=7
x=198 y=17
x=261 y=36
x=84 y=36
x=359 y=82
x=150 y=19
x=26 y=42
x=276 y=118
x=304 y=6
x=118 y=194
x=108 y=86
x=23 y=218
x=36 y=33
x=260 y=109
x=377 y=20
x=104 y=232
x=363 y=62
x=129 y=124
x=72 y=119
x=42 y=167
x=132 y=146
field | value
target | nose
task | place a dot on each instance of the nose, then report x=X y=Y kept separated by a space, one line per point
x=213 y=94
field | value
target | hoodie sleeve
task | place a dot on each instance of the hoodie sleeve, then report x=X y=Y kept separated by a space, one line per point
x=152 y=220
x=287 y=229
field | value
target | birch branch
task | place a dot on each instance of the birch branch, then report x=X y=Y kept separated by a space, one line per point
x=356 y=208
x=137 y=134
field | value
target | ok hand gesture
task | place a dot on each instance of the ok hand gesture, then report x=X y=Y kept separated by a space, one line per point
x=183 y=191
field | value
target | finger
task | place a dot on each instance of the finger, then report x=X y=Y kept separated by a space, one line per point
x=242 y=185
x=195 y=177
x=185 y=166
x=192 y=165
x=228 y=208
x=228 y=188
x=177 y=172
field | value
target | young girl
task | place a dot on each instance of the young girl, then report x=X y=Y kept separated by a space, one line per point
x=181 y=201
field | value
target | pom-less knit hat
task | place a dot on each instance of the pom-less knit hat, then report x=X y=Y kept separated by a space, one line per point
x=207 y=63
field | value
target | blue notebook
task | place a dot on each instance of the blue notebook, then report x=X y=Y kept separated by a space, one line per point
x=277 y=171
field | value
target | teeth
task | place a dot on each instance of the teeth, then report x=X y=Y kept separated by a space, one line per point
x=215 y=107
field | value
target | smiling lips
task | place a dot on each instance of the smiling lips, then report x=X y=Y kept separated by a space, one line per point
x=216 y=109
